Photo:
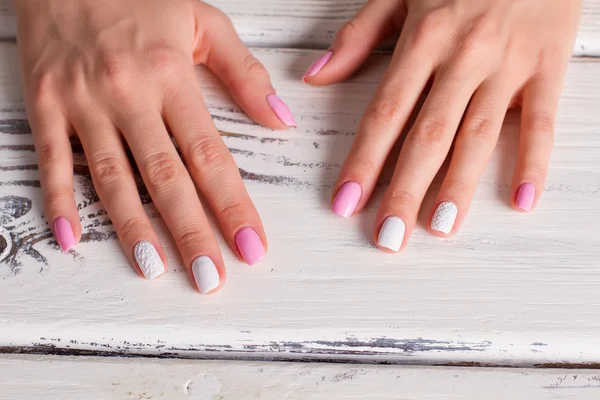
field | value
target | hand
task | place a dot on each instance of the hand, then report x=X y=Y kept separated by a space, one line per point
x=116 y=72
x=482 y=57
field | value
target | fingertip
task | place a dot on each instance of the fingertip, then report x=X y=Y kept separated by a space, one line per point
x=317 y=66
x=250 y=246
x=444 y=218
x=63 y=232
x=149 y=260
x=346 y=200
x=391 y=236
x=281 y=110
x=525 y=197
x=208 y=278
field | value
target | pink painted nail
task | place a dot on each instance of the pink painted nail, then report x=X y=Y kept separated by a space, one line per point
x=281 y=110
x=347 y=199
x=64 y=234
x=525 y=196
x=250 y=245
x=318 y=64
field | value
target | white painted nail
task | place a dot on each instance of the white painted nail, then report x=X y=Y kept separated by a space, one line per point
x=205 y=274
x=391 y=234
x=148 y=260
x=444 y=217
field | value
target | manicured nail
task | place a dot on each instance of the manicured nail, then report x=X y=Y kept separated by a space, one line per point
x=444 y=217
x=347 y=199
x=148 y=260
x=525 y=196
x=318 y=64
x=250 y=245
x=391 y=234
x=205 y=274
x=281 y=110
x=64 y=234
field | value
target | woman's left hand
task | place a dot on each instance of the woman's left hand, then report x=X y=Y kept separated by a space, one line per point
x=482 y=57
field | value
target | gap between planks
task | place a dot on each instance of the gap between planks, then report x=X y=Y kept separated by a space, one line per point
x=70 y=378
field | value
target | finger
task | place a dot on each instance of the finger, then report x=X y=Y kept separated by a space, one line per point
x=50 y=132
x=473 y=149
x=246 y=78
x=115 y=184
x=174 y=195
x=374 y=23
x=386 y=116
x=422 y=154
x=540 y=103
x=215 y=172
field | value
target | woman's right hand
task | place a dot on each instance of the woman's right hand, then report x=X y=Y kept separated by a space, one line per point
x=123 y=72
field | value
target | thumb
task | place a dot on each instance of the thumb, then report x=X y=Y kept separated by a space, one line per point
x=246 y=78
x=374 y=23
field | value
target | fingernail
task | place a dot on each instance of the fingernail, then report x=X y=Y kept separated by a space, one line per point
x=148 y=260
x=281 y=110
x=64 y=234
x=444 y=217
x=391 y=234
x=205 y=274
x=525 y=196
x=250 y=245
x=318 y=64
x=347 y=199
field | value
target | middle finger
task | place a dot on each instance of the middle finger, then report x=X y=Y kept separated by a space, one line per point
x=423 y=152
x=214 y=170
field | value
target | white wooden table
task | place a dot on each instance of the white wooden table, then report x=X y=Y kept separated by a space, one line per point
x=510 y=290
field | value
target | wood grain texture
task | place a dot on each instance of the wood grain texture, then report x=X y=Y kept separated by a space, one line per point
x=70 y=378
x=510 y=289
x=312 y=23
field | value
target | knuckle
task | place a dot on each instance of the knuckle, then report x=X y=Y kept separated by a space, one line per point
x=535 y=169
x=114 y=63
x=55 y=196
x=207 y=154
x=479 y=130
x=429 y=134
x=403 y=199
x=478 y=41
x=161 y=169
x=542 y=126
x=164 y=60
x=41 y=87
x=429 y=27
x=456 y=186
x=48 y=154
x=349 y=30
x=107 y=170
x=233 y=211
x=363 y=165
x=386 y=110
x=131 y=228
x=116 y=71
x=191 y=238
x=253 y=67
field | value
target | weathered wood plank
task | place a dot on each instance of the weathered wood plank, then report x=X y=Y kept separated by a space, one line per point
x=510 y=289
x=70 y=378
x=312 y=23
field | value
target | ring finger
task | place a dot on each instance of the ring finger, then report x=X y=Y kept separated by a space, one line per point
x=473 y=148
x=114 y=182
